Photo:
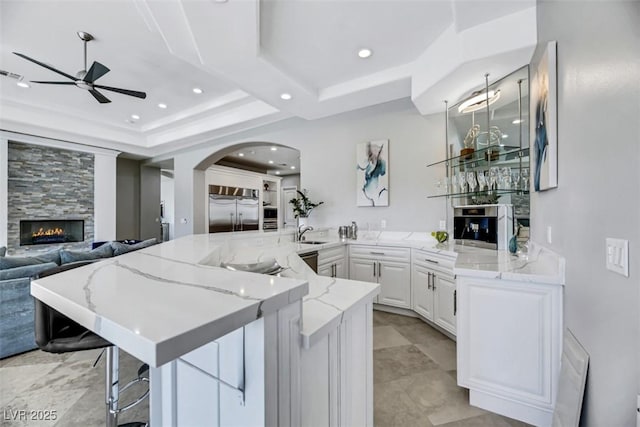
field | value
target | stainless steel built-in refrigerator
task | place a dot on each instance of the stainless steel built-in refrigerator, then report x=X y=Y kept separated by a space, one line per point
x=233 y=209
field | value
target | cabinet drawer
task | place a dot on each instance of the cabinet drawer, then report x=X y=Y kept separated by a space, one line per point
x=331 y=254
x=382 y=253
x=437 y=262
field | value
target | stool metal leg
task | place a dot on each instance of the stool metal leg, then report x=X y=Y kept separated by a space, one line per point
x=112 y=387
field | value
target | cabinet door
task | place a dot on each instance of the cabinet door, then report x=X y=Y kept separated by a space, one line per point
x=362 y=269
x=444 y=305
x=422 y=298
x=395 y=283
x=341 y=269
x=325 y=270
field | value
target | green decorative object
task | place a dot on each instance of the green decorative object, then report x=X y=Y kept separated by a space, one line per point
x=302 y=206
x=441 y=236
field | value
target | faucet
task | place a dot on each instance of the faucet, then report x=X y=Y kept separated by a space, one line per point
x=301 y=230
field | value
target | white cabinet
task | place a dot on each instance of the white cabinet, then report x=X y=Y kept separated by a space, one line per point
x=332 y=262
x=388 y=266
x=509 y=346
x=434 y=289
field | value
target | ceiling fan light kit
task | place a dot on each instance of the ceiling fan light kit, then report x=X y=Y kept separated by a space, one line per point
x=85 y=79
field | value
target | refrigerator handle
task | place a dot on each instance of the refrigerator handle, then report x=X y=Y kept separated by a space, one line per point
x=240 y=217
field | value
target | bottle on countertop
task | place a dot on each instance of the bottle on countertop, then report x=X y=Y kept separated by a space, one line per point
x=353 y=231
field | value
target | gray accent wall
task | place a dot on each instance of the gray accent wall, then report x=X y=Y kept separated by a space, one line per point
x=598 y=192
x=127 y=199
x=149 y=202
x=48 y=183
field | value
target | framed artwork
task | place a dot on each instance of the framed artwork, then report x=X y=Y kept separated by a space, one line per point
x=544 y=109
x=372 y=173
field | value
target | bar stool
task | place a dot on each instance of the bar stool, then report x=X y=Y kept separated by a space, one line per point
x=56 y=333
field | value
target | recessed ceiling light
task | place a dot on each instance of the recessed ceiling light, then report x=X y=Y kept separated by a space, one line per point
x=365 y=53
x=23 y=84
x=241 y=154
x=197 y=90
x=161 y=105
x=293 y=167
x=277 y=172
x=517 y=121
x=270 y=162
x=286 y=96
x=504 y=135
x=274 y=148
x=135 y=117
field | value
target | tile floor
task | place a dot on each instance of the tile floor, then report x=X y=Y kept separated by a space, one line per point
x=414 y=376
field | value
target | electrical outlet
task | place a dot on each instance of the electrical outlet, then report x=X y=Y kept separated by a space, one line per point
x=259 y=242
x=443 y=224
x=549 y=235
x=323 y=233
x=183 y=220
x=383 y=224
x=617 y=256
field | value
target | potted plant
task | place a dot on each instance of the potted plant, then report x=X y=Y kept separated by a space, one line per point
x=302 y=206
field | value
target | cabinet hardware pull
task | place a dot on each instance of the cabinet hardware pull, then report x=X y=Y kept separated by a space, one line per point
x=431 y=261
x=455 y=302
x=374 y=269
x=433 y=281
x=333 y=267
x=379 y=270
x=376 y=253
x=429 y=281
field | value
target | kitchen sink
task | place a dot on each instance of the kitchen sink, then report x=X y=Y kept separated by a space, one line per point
x=311 y=242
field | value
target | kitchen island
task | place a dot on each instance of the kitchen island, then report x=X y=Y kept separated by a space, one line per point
x=227 y=347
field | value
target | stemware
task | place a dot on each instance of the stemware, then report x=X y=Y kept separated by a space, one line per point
x=471 y=180
x=506 y=178
x=482 y=180
x=515 y=177
x=525 y=179
x=493 y=177
x=462 y=180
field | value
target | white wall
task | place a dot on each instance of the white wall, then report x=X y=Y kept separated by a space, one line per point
x=597 y=194
x=328 y=171
x=4 y=189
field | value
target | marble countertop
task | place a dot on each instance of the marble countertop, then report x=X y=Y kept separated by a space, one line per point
x=161 y=302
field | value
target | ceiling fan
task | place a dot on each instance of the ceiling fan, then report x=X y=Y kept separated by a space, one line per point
x=84 y=79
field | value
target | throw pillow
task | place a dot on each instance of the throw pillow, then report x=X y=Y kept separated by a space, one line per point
x=67 y=256
x=3 y=250
x=25 y=271
x=17 y=261
x=51 y=256
x=123 y=248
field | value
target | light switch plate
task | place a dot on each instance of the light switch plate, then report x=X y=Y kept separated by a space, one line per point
x=617 y=256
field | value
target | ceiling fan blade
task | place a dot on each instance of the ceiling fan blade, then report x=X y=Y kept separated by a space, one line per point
x=96 y=71
x=53 y=83
x=45 y=66
x=123 y=91
x=100 y=97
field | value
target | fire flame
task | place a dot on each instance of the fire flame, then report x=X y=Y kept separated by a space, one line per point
x=49 y=232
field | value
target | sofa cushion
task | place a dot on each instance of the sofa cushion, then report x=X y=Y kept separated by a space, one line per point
x=17 y=261
x=3 y=250
x=25 y=271
x=123 y=248
x=67 y=256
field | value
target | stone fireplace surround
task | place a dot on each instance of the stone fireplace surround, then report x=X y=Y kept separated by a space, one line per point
x=42 y=178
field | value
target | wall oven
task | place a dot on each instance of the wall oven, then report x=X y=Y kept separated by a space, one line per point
x=483 y=226
x=270 y=218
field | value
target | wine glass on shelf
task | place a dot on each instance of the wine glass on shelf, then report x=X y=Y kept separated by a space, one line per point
x=454 y=184
x=462 y=181
x=525 y=179
x=506 y=177
x=493 y=177
x=515 y=177
x=482 y=180
x=471 y=180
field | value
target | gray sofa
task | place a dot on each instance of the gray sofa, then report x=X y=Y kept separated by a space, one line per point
x=16 y=302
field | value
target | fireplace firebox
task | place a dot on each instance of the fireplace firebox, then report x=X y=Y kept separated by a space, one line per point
x=48 y=231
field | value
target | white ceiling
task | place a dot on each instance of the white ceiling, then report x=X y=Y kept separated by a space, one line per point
x=244 y=54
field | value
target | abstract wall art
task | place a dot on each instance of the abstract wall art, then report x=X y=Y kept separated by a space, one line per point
x=372 y=169
x=544 y=115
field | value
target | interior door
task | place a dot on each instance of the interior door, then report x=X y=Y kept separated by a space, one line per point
x=288 y=193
